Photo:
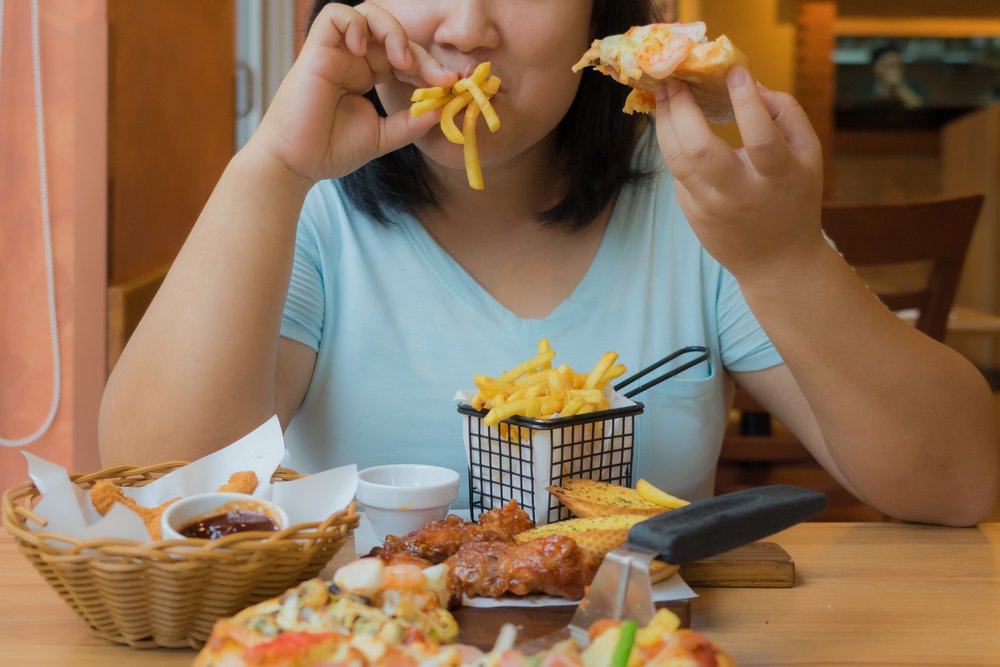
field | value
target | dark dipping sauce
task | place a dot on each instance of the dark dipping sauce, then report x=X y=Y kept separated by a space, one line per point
x=233 y=521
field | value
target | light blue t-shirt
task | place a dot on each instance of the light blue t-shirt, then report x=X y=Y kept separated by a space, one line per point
x=399 y=326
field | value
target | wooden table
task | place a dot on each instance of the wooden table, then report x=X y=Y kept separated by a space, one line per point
x=872 y=594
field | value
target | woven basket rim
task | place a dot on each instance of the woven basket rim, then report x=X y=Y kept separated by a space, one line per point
x=16 y=511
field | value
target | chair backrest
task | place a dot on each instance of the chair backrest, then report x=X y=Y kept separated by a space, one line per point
x=934 y=231
x=895 y=236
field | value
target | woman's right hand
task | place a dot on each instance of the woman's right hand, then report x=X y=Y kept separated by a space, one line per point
x=319 y=125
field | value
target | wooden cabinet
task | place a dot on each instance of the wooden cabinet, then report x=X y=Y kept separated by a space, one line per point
x=171 y=123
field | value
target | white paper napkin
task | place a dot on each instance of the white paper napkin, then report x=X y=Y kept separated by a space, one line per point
x=68 y=510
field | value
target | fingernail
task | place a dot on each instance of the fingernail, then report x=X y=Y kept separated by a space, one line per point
x=673 y=85
x=662 y=92
x=737 y=77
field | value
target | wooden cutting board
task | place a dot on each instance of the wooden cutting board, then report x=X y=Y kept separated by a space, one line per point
x=756 y=565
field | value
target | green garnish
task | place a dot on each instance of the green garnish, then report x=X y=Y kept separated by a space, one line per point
x=623 y=649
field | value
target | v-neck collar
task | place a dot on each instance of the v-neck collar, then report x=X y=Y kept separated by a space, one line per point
x=483 y=305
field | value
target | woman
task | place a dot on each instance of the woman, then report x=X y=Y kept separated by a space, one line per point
x=402 y=283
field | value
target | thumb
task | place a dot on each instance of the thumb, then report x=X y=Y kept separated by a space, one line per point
x=401 y=129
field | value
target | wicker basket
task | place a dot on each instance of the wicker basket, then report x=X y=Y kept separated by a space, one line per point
x=147 y=595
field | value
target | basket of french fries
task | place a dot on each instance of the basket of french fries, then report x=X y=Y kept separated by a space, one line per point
x=537 y=424
x=153 y=592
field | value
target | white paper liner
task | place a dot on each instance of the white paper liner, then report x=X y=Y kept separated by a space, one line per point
x=68 y=510
x=671 y=589
x=542 y=440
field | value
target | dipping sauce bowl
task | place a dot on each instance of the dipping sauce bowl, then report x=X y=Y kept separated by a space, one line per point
x=215 y=515
x=401 y=497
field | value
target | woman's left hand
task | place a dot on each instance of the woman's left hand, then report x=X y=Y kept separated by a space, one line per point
x=752 y=208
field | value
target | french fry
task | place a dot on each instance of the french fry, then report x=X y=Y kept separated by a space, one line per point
x=616 y=371
x=535 y=389
x=448 y=126
x=543 y=346
x=472 y=94
x=602 y=366
x=470 y=152
x=657 y=495
x=524 y=367
x=588 y=395
x=525 y=406
x=572 y=407
x=421 y=94
x=430 y=104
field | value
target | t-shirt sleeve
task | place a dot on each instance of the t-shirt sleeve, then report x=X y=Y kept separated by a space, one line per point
x=744 y=345
x=305 y=303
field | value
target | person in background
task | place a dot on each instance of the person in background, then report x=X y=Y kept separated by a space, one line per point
x=889 y=83
x=344 y=276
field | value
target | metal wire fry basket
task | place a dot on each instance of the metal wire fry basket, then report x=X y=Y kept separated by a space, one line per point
x=517 y=461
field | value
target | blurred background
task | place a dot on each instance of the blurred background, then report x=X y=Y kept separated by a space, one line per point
x=145 y=101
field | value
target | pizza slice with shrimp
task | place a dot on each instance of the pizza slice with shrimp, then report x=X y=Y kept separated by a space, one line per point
x=646 y=56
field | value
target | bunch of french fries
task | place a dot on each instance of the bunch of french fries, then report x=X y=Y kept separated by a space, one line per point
x=536 y=389
x=472 y=94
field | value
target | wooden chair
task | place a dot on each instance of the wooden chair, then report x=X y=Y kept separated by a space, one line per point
x=911 y=255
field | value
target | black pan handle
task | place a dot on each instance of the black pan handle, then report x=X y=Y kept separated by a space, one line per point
x=709 y=527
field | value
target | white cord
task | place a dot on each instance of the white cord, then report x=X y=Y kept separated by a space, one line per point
x=36 y=66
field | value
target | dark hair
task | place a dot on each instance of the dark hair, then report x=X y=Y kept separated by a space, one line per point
x=884 y=49
x=594 y=142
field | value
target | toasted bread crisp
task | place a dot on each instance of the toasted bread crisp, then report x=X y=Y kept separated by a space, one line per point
x=590 y=498
x=597 y=535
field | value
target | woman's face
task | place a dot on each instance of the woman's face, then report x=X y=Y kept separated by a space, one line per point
x=532 y=45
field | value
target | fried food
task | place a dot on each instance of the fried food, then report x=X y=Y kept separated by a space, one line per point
x=437 y=540
x=105 y=493
x=534 y=389
x=659 y=496
x=473 y=94
x=151 y=516
x=554 y=565
x=599 y=535
x=590 y=498
x=240 y=482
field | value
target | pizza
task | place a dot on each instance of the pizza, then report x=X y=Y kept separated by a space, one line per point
x=645 y=56
x=370 y=614
x=316 y=625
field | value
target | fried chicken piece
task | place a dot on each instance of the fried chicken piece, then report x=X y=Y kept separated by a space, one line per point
x=151 y=516
x=105 y=493
x=240 y=482
x=437 y=540
x=506 y=521
x=553 y=564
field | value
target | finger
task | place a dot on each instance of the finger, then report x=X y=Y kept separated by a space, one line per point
x=677 y=160
x=793 y=123
x=764 y=144
x=388 y=32
x=350 y=28
x=426 y=70
x=710 y=156
x=401 y=128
